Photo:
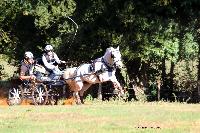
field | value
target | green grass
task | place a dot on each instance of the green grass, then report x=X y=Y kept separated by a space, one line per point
x=102 y=117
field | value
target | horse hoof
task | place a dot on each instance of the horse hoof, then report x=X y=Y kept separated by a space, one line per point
x=79 y=103
x=81 y=99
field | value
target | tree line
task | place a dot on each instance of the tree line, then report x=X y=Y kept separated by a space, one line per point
x=159 y=39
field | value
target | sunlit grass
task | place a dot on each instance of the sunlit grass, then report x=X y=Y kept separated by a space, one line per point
x=102 y=117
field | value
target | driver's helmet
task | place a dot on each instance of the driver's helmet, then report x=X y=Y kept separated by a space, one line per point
x=48 y=48
x=28 y=55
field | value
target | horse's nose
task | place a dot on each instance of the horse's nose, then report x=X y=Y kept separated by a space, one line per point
x=120 y=65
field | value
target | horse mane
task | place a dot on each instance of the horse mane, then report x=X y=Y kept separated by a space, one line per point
x=108 y=51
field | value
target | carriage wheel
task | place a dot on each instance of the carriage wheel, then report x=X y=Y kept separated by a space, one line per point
x=40 y=94
x=15 y=96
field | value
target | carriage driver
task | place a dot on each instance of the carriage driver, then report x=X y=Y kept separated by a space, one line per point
x=26 y=69
x=51 y=61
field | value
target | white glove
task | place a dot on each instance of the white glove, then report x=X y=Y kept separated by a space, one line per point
x=63 y=62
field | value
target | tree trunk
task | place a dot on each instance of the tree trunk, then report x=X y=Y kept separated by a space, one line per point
x=158 y=91
x=171 y=84
x=163 y=90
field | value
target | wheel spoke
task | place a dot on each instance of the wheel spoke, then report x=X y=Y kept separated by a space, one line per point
x=41 y=99
x=12 y=93
x=40 y=89
x=14 y=90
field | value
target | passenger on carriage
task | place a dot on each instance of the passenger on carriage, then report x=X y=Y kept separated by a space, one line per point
x=51 y=61
x=26 y=69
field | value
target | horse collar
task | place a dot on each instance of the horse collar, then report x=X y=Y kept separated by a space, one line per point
x=108 y=65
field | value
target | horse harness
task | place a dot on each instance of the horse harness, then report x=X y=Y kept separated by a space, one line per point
x=108 y=68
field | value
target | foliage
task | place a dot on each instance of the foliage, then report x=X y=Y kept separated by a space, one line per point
x=32 y=23
x=149 y=33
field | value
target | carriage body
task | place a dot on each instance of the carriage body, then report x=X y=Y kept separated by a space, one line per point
x=38 y=92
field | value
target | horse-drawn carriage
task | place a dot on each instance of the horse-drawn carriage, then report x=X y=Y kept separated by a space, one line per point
x=79 y=79
x=38 y=92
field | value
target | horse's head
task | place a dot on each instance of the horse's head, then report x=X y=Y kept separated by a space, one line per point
x=116 y=57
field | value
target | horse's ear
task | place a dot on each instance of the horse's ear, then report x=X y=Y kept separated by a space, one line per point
x=117 y=47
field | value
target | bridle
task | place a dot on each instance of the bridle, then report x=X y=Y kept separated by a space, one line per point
x=114 y=61
x=109 y=65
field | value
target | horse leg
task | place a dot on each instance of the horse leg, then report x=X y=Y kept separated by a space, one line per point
x=84 y=88
x=78 y=86
x=117 y=86
x=76 y=96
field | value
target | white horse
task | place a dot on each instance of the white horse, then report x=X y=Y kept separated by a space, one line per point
x=101 y=70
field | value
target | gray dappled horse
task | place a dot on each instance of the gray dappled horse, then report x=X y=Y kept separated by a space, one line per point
x=101 y=70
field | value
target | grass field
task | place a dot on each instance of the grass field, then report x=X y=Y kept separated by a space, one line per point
x=101 y=117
